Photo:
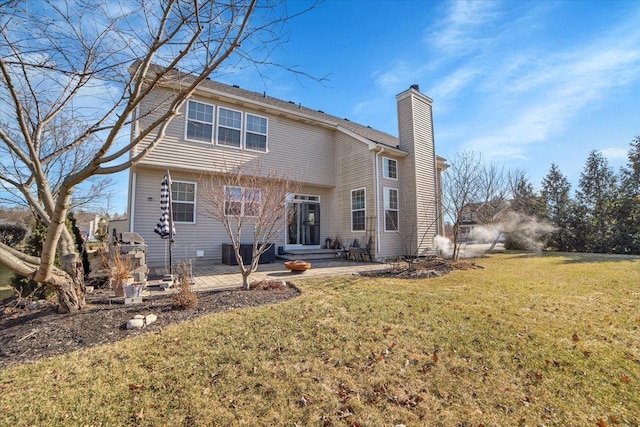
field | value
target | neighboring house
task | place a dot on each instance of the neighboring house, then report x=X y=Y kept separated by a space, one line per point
x=468 y=221
x=358 y=182
x=475 y=215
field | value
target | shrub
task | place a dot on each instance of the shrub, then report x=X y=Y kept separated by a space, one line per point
x=12 y=234
x=185 y=297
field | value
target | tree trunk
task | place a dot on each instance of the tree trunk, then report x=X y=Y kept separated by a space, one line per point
x=71 y=288
x=245 y=280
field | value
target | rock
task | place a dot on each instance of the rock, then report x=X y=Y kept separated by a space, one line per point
x=135 y=323
x=149 y=319
x=139 y=321
x=34 y=305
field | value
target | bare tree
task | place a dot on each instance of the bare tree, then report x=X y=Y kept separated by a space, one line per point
x=460 y=187
x=421 y=231
x=92 y=64
x=251 y=203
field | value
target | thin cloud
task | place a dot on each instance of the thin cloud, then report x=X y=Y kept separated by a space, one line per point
x=615 y=153
x=460 y=30
x=554 y=91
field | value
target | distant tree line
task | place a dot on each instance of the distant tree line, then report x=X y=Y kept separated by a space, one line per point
x=602 y=215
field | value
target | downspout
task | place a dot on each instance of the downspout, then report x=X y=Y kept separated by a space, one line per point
x=377 y=167
x=132 y=198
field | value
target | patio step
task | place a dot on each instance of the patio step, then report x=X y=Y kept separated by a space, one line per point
x=309 y=255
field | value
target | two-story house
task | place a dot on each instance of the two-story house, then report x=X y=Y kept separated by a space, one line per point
x=358 y=182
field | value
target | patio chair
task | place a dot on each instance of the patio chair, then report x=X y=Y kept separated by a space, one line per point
x=366 y=250
x=353 y=251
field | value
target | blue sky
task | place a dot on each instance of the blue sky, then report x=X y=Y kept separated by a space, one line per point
x=525 y=83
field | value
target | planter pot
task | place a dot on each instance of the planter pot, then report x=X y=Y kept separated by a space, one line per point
x=119 y=284
x=297 y=266
x=132 y=291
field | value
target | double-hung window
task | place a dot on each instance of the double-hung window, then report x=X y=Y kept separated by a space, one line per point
x=240 y=201
x=389 y=168
x=256 y=133
x=199 y=121
x=229 y=127
x=358 y=199
x=391 y=216
x=183 y=201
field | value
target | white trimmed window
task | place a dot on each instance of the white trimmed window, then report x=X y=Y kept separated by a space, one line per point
x=256 y=133
x=183 y=201
x=240 y=201
x=199 y=121
x=358 y=214
x=389 y=168
x=229 y=127
x=391 y=216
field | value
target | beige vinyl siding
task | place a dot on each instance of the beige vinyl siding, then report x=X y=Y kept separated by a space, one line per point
x=354 y=170
x=206 y=233
x=425 y=175
x=306 y=151
x=419 y=225
x=391 y=242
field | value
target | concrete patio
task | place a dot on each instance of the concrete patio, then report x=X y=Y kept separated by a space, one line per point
x=220 y=276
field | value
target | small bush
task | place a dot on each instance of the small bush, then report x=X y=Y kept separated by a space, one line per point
x=266 y=285
x=185 y=297
x=516 y=242
x=12 y=234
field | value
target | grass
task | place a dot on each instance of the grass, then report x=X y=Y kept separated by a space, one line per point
x=528 y=340
x=5 y=278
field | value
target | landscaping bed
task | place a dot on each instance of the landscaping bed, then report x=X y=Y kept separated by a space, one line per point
x=28 y=335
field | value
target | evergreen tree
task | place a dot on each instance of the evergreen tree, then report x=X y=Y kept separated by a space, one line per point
x=596 y=198
x=524 y=199
x=627 y=208
x=558 y=209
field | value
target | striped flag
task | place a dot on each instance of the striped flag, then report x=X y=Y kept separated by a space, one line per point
x=163 y=228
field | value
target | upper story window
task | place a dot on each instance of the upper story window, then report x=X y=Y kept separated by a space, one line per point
x=229 y=127
x=241 y=201
x=358 y=202
x=389 y=168
x=256 y=133
x=183 y=201
x=391 y=216
x=199 y=121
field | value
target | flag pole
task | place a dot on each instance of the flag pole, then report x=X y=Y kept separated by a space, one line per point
x=170 y=227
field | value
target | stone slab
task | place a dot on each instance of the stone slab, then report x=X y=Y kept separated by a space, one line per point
x=134 y=300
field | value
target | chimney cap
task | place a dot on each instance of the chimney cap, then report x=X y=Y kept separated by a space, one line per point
x=415 y=87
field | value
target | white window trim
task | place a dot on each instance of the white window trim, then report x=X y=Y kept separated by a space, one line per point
x=384 y=174
x=195 y=200
x=217 y=128
x=351 y=210
x=187 y=120
x=242 y=202
x=266 y=134
x=385 y=202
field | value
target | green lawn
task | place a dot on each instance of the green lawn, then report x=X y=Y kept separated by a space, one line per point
x=5 y=277
x=548 y=340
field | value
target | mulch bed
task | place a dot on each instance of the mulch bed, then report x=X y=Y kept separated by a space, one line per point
x=422 y=268
x=29 y=335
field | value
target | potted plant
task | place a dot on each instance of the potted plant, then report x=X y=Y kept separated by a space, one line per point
x=120 y=272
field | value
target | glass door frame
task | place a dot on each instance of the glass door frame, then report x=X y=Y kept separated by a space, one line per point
x=300 y=200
